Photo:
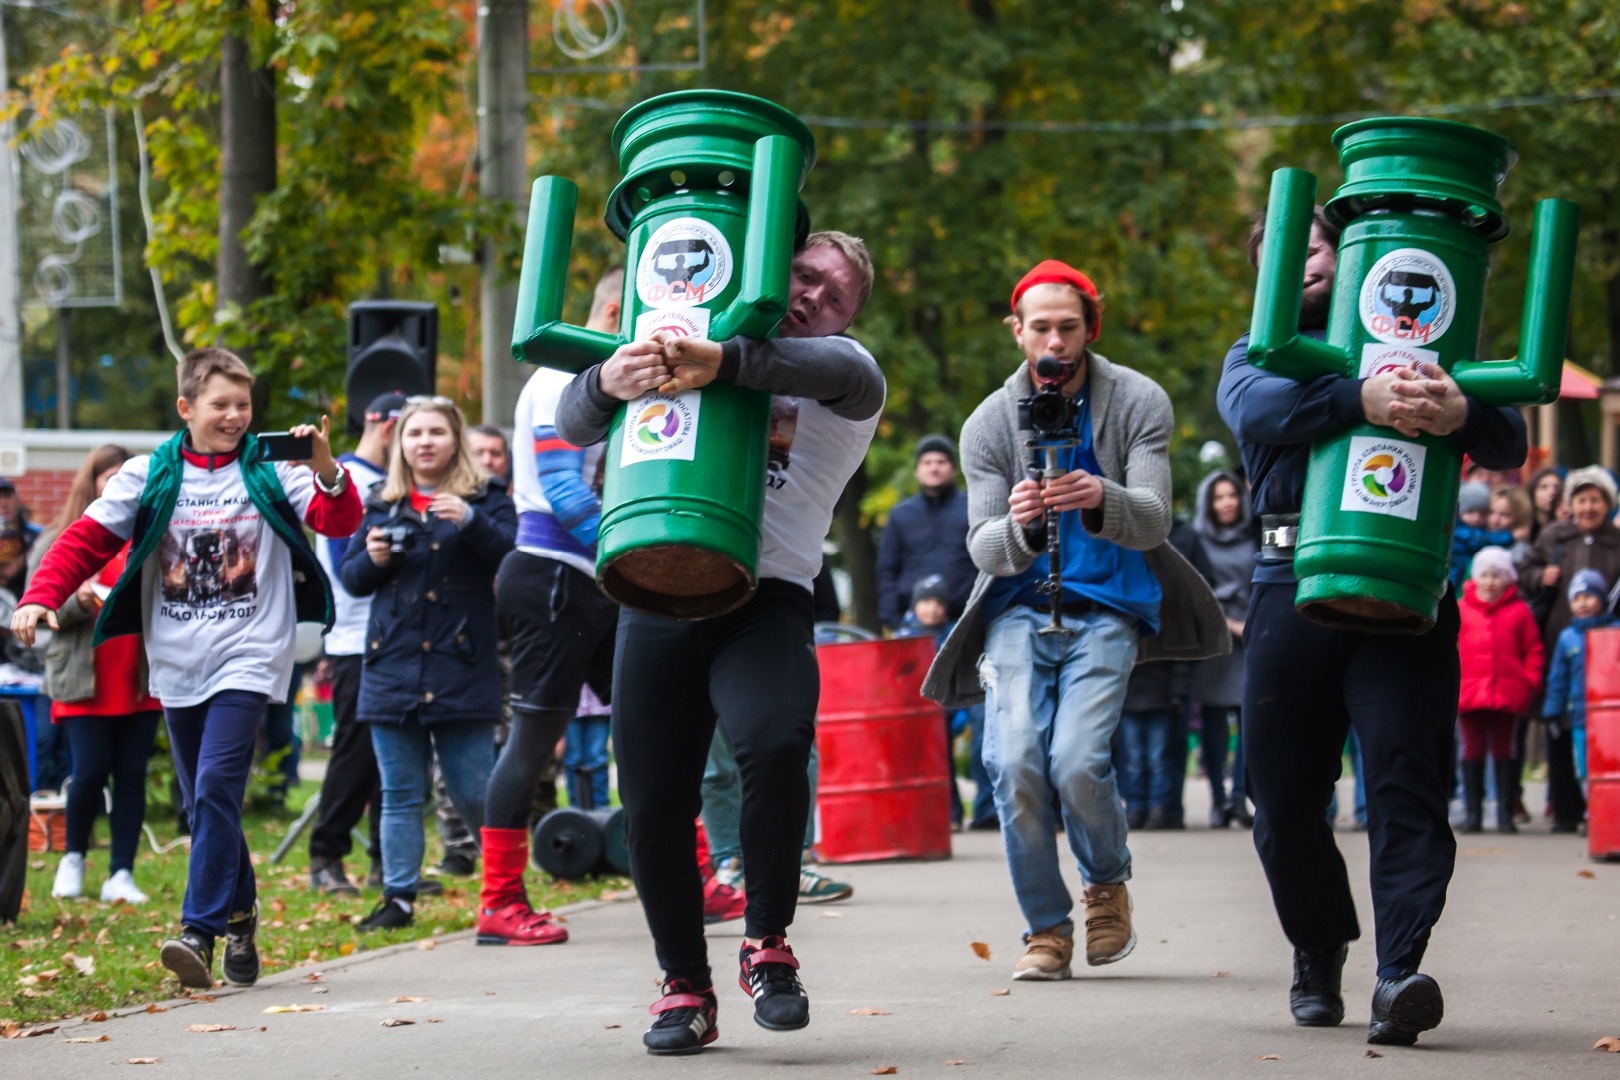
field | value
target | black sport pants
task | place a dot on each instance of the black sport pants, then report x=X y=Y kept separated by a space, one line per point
x=756 y=669
x=1304 y=687
x=351 y=782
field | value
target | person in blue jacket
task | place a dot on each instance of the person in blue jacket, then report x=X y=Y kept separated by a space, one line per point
x=1306 y=686
x=1565 y=703
x=435 y=532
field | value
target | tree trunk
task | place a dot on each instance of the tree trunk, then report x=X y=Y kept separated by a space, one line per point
x=247 y=165
x=860 y=554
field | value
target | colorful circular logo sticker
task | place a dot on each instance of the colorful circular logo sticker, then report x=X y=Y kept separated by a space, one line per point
x=661 y=427
x=1385 y=477
x=684 y=262
x=1408 y=298
x=657 y=425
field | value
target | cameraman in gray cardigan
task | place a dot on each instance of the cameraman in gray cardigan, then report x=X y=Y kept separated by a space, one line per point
x=1052 y=701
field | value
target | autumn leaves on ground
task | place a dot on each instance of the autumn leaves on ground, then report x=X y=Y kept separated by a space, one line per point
x=70 y=958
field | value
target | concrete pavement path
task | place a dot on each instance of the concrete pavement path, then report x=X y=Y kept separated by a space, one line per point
x=1528 y=956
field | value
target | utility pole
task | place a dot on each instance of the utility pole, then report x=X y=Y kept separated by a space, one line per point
x=11 y=373
x=503 y=115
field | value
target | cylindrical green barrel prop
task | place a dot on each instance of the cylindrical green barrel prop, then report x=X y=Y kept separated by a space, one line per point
x=710 y=215
x=1418 y=211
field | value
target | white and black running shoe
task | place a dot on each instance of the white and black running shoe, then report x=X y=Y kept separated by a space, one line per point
x=770 y=975
x=685 y=1021
x=240 y=965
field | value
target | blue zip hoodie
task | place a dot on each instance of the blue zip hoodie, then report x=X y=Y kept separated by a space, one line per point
x=1566 y=681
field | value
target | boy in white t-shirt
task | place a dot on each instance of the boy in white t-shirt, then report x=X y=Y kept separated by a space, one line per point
x=219 y=573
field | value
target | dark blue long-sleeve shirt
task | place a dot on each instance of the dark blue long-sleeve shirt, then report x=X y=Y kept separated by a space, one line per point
x=1277 y=419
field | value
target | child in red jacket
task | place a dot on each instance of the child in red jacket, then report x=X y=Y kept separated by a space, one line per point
x=1500 y=650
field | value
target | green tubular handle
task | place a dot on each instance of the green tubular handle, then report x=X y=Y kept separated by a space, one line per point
x=1533 y=378
x=773 y=202
x=539 y=335
x=1275 y=343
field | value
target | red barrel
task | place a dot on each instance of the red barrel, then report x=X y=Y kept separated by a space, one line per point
x=885 y=784
x=1603 y=743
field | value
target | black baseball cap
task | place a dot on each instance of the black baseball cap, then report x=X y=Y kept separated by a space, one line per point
x=385 y=407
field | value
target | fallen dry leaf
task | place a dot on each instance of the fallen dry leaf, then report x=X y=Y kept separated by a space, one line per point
x=1269 y=1057
x=1609 y=1043
x=1000 y=993
x=95 y=1017
x=155 y=1008
x=346 y=948
x=1374 y=1053
x=210 y=1027
x=426 y=944
x=885 y=1070
x=832 y=914
x=143 y=1061
x=867 y=1012
x=294 y=1008
x=1585 y=874
x=320 y=989
x=610 y=1027
x=404 y=997
x=85 y=965
x=432 y=1020
x=980 y=949
x=208 y=999
x=9 y=1029
x=314 y=976
x=397 y=1021
x=87 y=1039
x=31 y=1033
x=956 y=1061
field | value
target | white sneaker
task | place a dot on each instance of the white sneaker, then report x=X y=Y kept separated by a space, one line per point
x=121 y=886
x=69 y=876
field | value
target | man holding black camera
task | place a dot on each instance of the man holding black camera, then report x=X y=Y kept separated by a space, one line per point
x=1058 y=642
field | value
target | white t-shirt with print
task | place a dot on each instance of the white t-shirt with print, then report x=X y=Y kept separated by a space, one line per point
x=217 y=594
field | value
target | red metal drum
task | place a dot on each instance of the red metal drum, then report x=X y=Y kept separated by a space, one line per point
x=1603 y=743
x=885 y=783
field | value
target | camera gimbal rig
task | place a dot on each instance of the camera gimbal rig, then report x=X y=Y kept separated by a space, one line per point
x=1053 y=420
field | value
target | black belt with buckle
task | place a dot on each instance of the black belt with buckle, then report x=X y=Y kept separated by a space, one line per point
x=1279 y=535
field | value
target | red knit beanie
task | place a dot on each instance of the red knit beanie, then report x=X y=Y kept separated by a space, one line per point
x=1053 y=272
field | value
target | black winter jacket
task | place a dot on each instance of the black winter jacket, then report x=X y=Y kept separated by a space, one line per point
x=430 y=640
x=926 y=534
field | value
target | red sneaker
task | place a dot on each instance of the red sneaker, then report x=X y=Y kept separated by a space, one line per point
x=519 y=924
x=722 y=902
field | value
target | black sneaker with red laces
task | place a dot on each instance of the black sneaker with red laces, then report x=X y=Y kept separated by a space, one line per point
x=770 y=975
x=685 y=1021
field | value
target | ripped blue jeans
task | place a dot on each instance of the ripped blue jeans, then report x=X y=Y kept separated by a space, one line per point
x=1051 y=706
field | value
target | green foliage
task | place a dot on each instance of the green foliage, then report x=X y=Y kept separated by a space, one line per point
x=358 y=209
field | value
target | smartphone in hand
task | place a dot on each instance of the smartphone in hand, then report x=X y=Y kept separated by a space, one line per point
x=281 y=446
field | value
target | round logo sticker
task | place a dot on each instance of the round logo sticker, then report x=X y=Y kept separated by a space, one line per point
x=1408 y=298
x=1385 y=477
x=685 y=262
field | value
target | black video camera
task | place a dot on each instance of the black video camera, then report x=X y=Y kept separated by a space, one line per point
x=1049 y=412
x=401 y=537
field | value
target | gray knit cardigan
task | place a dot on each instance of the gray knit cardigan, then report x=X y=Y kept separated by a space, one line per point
x=1131 y=421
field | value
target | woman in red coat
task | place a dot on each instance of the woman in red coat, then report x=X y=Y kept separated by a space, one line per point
x=1500 y=649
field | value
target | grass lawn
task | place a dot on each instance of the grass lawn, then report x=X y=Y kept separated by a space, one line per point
x=69 y=958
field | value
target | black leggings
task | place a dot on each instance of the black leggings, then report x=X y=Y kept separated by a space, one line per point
x=116 y=748
x=756 y=669
x=528 y=748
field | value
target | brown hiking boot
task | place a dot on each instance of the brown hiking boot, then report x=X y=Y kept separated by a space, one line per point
x=1109 y=935
x=1046 y=957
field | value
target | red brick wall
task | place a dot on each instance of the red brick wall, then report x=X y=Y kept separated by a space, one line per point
x=43 y=493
